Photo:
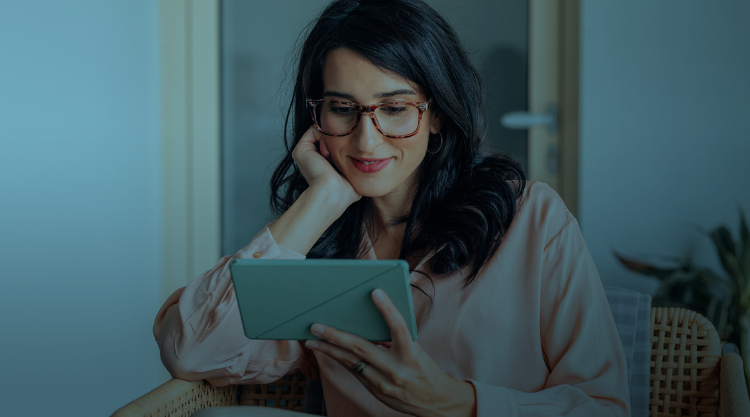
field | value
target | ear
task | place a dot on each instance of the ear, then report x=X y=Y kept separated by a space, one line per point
x=435 y=123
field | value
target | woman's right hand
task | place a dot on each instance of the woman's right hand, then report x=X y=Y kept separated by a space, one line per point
x=319 y=172
x=325 y=200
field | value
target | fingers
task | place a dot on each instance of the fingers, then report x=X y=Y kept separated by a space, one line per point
x=303 y=146
x=347 y=358
x=348 y=347
x=400 y=335
x=306 y=146
x=324 y=147
x=308 y=139
x=372 y=377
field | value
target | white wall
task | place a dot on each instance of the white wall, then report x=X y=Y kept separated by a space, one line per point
x=79 y=205
x=665 y=132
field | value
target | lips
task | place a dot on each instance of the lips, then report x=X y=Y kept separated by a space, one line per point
x=370 y=165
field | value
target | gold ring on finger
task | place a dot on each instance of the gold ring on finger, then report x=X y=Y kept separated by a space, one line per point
x=359 y=368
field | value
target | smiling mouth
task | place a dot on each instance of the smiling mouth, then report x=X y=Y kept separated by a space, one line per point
x=369 y=165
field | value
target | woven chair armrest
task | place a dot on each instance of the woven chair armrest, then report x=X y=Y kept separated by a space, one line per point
x=734 y=400
x=178 y=398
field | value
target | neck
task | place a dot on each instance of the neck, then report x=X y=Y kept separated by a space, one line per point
x=395 y=204
x=386 y=239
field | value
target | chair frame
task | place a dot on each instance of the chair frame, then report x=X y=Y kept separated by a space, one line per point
x=689 y=376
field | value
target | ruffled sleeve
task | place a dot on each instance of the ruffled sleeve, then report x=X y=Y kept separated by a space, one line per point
x=200 y=334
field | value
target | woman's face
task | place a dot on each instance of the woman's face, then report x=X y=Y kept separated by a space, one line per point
x=348 y=76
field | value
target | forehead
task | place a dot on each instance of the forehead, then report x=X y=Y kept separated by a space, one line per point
x=347 y=72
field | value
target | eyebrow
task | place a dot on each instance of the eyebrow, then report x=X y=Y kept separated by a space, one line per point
x=403 y=91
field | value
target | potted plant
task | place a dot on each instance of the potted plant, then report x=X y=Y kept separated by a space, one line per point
x=722 y=299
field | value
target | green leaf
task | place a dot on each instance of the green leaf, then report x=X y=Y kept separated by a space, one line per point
x=682 y=282
x=735 y=272
x=644 y=268
x=713 y=279
x=722 y=235
x=745 y=299
x=745 y=242
x=725 y=249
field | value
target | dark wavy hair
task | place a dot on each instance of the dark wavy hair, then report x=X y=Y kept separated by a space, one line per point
x=465 y=201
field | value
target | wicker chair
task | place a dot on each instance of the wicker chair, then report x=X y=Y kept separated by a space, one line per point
x=178 y=398
x=689 y=377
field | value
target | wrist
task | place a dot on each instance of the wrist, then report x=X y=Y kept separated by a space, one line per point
x=461 y=402
x=305 y=221
x=329 y=199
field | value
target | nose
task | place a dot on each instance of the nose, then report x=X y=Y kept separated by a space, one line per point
x=366 y=136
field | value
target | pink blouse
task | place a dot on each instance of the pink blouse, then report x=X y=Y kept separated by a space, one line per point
x=533 y=333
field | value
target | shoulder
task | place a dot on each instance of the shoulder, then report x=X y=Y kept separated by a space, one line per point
x=541 y=211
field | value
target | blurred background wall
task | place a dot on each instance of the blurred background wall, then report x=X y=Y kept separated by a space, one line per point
x=665 y=97
x=79 y=205
x=665 y=139
x=255 y=92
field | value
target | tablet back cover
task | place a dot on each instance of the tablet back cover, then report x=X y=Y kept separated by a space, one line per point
x=281 y=299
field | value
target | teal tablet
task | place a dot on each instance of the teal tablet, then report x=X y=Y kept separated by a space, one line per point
x=281 y=299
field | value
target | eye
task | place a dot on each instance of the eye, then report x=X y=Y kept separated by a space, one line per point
x=394 y=110
x=341 y=110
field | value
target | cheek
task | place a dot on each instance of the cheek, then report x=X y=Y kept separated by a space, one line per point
x=415 y=152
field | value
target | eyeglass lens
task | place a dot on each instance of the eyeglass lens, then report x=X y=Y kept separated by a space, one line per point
x=395 y=119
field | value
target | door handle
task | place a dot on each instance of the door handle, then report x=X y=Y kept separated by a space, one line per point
x=526 y=120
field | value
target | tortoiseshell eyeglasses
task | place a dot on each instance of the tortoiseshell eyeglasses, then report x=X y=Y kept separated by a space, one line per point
x=395 y=120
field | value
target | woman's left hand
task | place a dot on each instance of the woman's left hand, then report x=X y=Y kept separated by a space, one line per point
x=403 y=376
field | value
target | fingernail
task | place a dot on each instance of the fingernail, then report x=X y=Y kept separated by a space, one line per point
x=377 y=295
x=311 y=344
x=317 y=329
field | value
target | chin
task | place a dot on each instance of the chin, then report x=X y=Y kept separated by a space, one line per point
x=369 y=187
x=374 y=187
x=371 y=190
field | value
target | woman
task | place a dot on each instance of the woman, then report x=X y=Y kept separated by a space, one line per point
x=384 y=163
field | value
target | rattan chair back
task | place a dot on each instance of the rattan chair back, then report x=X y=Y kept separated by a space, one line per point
x=685 y=357
x=287 y=393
